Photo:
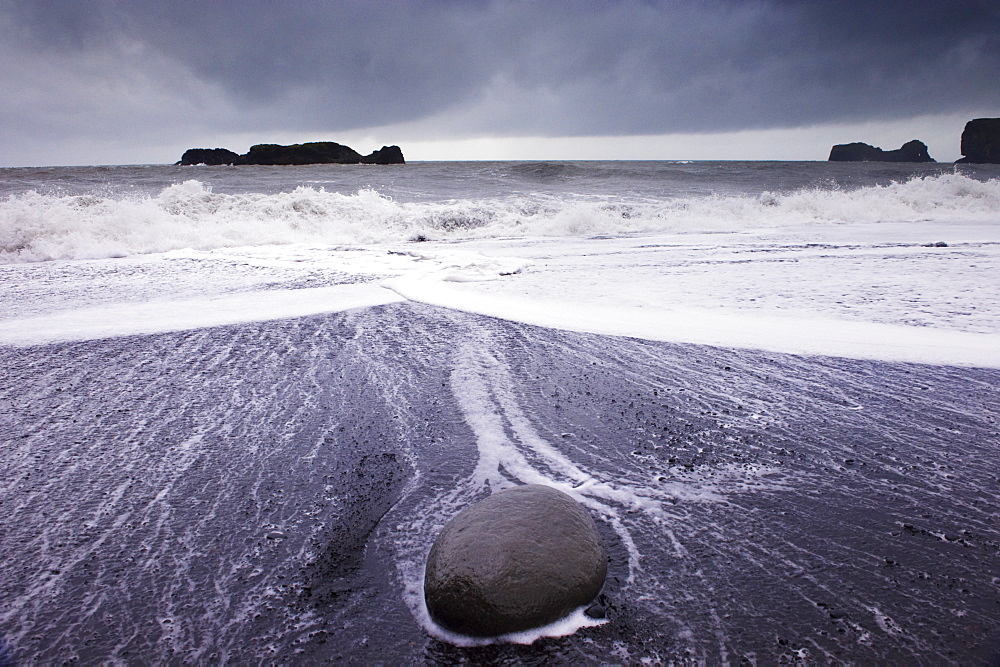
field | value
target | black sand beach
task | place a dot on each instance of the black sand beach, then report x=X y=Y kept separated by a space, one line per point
x=268 y=492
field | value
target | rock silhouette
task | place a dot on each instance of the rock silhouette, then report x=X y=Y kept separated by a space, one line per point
x=209 y=156
x=316 y=152
x=981 y=141
x=911 y=151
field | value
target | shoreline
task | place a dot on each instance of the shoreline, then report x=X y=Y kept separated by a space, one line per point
x=268 y=491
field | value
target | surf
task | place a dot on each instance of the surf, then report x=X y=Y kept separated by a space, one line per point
x=190 y=214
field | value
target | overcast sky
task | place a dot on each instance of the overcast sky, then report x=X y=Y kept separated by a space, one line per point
x=125 y=82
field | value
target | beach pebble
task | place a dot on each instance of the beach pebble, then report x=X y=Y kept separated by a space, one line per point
x=522 y=558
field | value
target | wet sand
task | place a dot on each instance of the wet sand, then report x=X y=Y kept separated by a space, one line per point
x=268 y=492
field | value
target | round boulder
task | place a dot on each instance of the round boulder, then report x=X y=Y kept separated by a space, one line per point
x=522 y=558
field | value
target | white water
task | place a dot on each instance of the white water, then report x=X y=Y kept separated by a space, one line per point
x=874 y=291
x=855 y=274
x=850 y=293
x=37 y=227
x=151 y=317
x=904 y=271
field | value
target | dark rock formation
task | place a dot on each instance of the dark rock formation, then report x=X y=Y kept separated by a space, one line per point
x=317 y=152
x=520 y=559
x=385 y=155
x=981 y=141
x=911 y=151
x=211 y=156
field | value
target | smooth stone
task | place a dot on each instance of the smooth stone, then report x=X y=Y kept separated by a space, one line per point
x=520 y=559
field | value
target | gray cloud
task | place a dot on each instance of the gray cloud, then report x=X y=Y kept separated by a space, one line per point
x=557 y=68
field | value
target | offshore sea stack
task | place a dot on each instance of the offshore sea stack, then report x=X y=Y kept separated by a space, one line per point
x=520 y=559
x=316 y=152
x=981 y=141
x=209 y=156
x=911 y=151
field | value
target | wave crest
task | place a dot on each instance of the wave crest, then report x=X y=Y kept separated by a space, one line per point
x=36 y=227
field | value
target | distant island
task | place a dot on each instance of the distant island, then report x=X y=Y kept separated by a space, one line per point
x=911 y=151
x=981 y=141
x=980 y=145
x=316 y=152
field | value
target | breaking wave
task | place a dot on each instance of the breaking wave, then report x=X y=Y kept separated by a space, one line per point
x=38 y=227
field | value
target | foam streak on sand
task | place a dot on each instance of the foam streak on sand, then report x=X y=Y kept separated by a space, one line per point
x=859 y=298
x=859 y=340
x=851 y=293
x=179 y=315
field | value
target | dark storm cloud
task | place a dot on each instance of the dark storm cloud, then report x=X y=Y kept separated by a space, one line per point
x=549 y=67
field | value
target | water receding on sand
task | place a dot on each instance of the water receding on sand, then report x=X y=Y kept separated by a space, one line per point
x=270 y=492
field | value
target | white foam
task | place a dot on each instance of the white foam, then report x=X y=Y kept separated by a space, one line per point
x=796 y=335
x=36 y=227
x=869 y=291
x=565 y=626
x=810 y=272
x=177 y=315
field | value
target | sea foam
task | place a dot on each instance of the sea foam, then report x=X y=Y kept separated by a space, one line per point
x=38 y=227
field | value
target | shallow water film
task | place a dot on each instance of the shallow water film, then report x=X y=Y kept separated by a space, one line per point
x=269 y=492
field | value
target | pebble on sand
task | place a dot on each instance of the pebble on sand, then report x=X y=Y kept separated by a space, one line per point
x=520 y=559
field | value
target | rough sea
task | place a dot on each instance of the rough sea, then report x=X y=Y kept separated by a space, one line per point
x=237 y=404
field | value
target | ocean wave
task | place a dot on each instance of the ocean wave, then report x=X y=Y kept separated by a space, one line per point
x=38 y=227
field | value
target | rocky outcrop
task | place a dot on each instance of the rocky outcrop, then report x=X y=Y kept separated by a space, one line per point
x=210 y=156
x=522 y=558
x=317 y=152
x=911 y=151
x=981 y=141
x=385 y=155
